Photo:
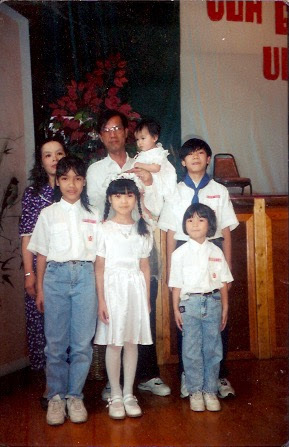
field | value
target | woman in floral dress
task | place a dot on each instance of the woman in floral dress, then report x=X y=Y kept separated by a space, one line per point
x=35 y=198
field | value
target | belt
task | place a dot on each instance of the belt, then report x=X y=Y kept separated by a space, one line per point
x=71 y=262
x=206 y=293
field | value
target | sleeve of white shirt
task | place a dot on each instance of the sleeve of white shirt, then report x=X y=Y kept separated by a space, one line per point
x=167 y=220
x=100 y=241
x=153 y=199
x=228 y=216
x=176 y=273
x=39 y=241
x=226 y=275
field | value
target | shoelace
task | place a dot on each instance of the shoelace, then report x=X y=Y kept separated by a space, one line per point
x=56 y=406
x=77 y=404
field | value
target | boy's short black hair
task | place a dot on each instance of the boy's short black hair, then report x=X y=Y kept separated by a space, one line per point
x=105 y=116
x=193 y=145
x=153 y=127
x=202 y=211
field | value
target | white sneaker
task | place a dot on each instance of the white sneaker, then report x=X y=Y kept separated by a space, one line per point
x=211 y=402
x=105 y=394
x=116 y=407
x=197 y=401
x=56 y=413
x=184 y=391
x=155 y=386
x=131 y=406
x=76 y=410
x=225 y=389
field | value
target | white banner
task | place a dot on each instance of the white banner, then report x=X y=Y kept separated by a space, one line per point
x=234 y=84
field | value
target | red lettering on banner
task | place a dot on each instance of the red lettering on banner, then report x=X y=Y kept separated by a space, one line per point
x=215 y=10
x=232 y=15
x=281 y=18
x=235 y=10
x=253 y=8
x=273 y=62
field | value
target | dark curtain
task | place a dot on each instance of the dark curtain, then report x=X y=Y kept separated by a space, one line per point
x=67 y=37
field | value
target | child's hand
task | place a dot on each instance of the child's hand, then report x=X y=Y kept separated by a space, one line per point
x=137 y=165
x=40 y=302
x=103 y=313
x=29 y=284
x=178 y=319
x=224 y=318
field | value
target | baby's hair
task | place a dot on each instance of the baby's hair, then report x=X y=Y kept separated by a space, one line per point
x=105 y=116
x=38 y=176
x=202 y=211
x=153 y=127
x=78 y=166
x=192 y=145
x=125 y=186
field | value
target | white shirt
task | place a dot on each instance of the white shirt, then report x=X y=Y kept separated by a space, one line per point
x=97 y=175
x=215 y=195
x=198 y=268
x=65 y=232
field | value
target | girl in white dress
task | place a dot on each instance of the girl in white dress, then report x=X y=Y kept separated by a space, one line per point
x=123 y=278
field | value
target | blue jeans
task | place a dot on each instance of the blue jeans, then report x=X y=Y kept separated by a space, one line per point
x=202 y=344
x=70 y=314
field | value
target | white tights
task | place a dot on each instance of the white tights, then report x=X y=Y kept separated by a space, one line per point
x=113 y=362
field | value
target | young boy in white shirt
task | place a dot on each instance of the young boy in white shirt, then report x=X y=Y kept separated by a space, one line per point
x=199 y=276
x=195 y=155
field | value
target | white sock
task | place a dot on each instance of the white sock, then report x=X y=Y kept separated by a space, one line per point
x=130 y=355
x=112 y=361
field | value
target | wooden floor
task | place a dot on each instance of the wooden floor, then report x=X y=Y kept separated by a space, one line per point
x=256 y=417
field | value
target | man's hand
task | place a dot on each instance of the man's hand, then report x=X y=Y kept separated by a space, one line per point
x=143 y=175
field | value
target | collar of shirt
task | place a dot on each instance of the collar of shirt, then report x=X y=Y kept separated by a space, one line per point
x=127 y=165
x=196 y=246
x=70 y=206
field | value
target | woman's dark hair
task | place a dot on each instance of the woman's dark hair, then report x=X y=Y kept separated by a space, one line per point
x=202 y=211
x=125 y=186
x=192 y=145
x=153 y=127
x=38 y=176
x=105 y=116
x=78 y=166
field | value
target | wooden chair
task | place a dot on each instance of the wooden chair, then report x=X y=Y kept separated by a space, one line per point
x=226 y=172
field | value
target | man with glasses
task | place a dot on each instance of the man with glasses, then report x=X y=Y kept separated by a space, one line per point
x=112 y=128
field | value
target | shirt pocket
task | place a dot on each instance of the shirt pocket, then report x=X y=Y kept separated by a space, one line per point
x=88 y=231
x=215 y=270
x=60 y=240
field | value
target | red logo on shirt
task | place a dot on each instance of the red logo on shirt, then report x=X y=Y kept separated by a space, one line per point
x=217 y=196
x=215 y=259
x=89 y=220
x=214 y=275
x=90 y=238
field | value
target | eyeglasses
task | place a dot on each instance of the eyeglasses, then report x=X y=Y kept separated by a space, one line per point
x=112 y=129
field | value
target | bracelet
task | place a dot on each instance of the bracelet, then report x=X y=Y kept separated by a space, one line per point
x=28 y=274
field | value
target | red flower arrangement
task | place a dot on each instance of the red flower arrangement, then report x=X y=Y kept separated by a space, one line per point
x=75 y=114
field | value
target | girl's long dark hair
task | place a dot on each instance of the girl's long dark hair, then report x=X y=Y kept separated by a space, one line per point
x=125 y=186
x=38 y=176
x=78 y=166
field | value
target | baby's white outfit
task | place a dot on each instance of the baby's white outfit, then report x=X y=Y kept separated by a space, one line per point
x=166 y=178
x=124 y=285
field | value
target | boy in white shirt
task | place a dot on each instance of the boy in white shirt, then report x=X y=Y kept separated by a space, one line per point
x=197 y=186
x=199 y=276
